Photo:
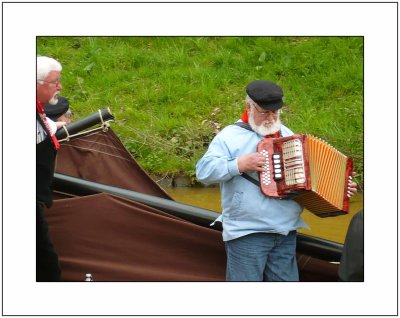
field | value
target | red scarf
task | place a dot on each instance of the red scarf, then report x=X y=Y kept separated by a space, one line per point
x=245 y=119
x=40 y=110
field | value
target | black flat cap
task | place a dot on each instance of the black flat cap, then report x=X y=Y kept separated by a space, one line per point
x=55 y=111
x=266 y=94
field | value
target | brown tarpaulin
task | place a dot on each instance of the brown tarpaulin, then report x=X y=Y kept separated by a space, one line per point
x=100 y=156
x=116 y=239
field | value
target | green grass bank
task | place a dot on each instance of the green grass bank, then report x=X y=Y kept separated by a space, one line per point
x=171 y=95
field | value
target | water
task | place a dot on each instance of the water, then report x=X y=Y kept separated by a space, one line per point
x=333 y=228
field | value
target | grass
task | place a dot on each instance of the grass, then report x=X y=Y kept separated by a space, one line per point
x=171 y=95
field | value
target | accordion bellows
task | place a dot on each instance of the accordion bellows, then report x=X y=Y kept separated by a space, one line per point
x=308 y=170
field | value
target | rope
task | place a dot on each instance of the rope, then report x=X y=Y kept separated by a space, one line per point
x=68 y=135
x=104 y=127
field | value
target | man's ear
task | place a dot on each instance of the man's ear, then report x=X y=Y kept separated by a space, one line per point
x=248 y=108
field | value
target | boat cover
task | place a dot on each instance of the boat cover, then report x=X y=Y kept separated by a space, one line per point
x=116 y=239
x=101 y=157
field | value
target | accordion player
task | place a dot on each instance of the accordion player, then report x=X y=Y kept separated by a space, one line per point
x=307 y=170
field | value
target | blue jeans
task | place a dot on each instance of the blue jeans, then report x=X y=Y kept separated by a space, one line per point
x=262 y=257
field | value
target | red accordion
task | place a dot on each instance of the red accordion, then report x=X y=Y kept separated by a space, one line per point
x=308 y=170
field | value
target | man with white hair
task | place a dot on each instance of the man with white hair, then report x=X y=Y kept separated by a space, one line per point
x=259 y=231
x=48 y=87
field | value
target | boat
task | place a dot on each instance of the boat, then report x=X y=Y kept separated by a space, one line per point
x=110 y=222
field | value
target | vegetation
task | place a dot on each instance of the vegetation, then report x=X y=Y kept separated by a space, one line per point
x=171 y=95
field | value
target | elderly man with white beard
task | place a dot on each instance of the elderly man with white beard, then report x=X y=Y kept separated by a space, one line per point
x=259 y=232
x=48 y=87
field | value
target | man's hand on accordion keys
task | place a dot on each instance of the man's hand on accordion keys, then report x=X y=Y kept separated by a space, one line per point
x=352 y=189
x=251 y=162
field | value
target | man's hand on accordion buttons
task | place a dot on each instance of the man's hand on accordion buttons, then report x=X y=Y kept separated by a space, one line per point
x=251 y=162
x=352 y=186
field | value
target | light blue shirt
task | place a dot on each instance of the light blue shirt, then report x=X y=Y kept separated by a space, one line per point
x=245 y=209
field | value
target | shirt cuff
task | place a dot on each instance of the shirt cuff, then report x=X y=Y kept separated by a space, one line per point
x=233 y=168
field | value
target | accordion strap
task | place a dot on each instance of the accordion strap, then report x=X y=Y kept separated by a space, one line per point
x=251 y=179
x=243 y=125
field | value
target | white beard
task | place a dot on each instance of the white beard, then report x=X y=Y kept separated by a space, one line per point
x=54 y=99
x=266 y=127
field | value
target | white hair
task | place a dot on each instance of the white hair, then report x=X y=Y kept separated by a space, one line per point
x=250 y=101
x=44 y=65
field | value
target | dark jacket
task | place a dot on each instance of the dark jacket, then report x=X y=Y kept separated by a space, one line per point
x=45 y=162
x=351 y=268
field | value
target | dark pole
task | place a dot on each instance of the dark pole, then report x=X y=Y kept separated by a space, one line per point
x=309 y=245
x=102 y=115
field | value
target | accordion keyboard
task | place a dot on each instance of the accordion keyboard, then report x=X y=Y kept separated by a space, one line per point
x=293 y=162
x=266 y=174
